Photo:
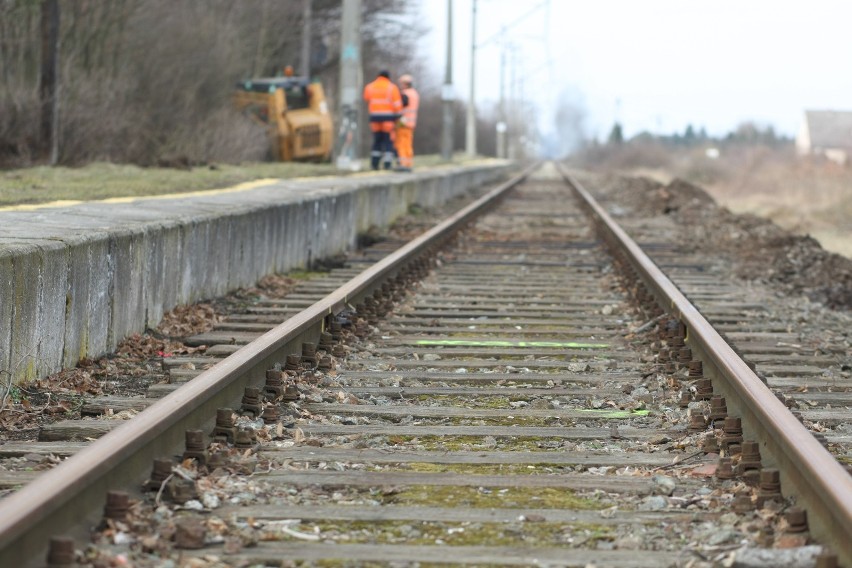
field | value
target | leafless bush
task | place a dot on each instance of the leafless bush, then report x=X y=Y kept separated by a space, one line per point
x=93 y=127
x=694 y=165
x=232 y=138
x=19 y=101
x=633 y=154
x=18 y=131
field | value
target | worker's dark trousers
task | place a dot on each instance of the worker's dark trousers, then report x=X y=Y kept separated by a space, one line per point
x=382 y=150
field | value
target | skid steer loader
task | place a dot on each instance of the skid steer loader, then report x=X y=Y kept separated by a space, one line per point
x=295 y=112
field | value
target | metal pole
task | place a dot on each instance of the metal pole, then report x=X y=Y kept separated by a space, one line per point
x=447 y=93
x=470 y=146
x=306 y=39
x=501 y=125
x=347 y=147
x=514 y=126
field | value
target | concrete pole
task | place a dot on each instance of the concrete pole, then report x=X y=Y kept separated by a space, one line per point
x=470 y=138
x=347 y=146
x=307 y=16
x=501 y=125
x=514 y=126
x=447 y=94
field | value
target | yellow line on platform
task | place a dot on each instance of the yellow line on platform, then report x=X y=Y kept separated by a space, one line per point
x=34 y=206
x=201 y=192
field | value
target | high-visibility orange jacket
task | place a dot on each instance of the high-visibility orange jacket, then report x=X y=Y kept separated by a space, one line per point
x=409 y=111
x=384 y=104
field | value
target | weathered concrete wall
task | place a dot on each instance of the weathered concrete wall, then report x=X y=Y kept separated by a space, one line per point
x=75 y=281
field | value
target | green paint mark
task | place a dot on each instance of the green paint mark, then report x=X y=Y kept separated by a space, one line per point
x=505 y=343
x=615 y=413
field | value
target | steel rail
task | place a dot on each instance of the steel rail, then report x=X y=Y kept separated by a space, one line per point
x=73 y=493
x=807 y=469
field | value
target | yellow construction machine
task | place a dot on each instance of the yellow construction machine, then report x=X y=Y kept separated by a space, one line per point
x=296 y=113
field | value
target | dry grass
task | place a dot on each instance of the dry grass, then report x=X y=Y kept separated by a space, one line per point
x=800 y=195
x=804 y=196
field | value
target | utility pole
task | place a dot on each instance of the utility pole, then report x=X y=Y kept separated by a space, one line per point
x=447 y=92
x=509 y=128
x=470 y=138
x=306 y=39
x=501 y=125
x=49 y=80
x=514 y=126
x=347 y=150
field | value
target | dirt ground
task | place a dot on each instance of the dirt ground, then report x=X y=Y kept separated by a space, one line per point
x=761 y=249
x=807 y=197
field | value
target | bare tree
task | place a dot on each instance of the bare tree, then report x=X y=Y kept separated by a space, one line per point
x=19 y=98
x=49 y=79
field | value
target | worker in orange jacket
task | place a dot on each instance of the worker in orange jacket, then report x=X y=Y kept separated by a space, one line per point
x=384 y=103
x=407 y=123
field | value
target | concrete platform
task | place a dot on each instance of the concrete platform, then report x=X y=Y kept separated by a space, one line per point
x=76 y=280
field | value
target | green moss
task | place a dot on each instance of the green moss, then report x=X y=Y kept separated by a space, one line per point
x=515 y=497
x=459 y=533
x=485 y=469
x=529 y=421
x=456 y=443
x=497 y=402
x=84 y=344
x=458 y=342
x=304 y=274
x=607 y=413
x=30 y=372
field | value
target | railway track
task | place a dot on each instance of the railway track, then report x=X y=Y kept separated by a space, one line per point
x=523 y=404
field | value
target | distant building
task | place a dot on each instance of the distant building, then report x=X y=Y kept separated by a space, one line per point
x=826 y=133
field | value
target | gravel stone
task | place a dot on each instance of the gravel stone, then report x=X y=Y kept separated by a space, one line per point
x=653 y=503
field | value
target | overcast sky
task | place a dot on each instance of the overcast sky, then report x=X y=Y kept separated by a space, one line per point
x=659 y=65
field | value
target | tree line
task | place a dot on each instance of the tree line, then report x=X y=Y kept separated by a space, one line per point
x=745 y=133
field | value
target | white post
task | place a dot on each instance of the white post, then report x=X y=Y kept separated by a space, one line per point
x=347 y=153
x=470 y=134
x=447 y=94
x=501 y=125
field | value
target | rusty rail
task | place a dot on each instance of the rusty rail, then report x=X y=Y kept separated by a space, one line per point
x=74 y=492
x=808 y=470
